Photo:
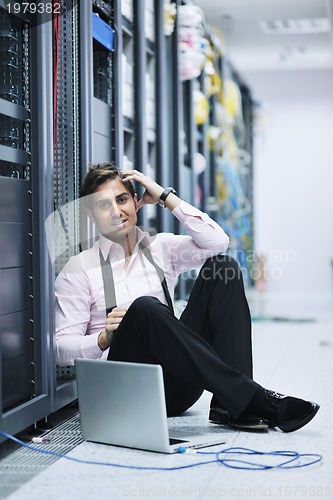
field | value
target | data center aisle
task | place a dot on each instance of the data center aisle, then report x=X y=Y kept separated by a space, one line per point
x=295 y=357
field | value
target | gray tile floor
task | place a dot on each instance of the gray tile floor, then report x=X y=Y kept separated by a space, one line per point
x=294 y=357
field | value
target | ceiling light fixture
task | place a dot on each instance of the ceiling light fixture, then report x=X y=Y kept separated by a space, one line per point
x=300 y=55
x=301 y=26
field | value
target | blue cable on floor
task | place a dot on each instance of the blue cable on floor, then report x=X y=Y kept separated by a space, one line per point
x=221 y=457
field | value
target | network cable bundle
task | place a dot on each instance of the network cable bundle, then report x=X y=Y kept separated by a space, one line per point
x=234 y=458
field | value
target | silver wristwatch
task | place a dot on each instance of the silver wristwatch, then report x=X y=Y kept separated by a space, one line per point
x=165 y=194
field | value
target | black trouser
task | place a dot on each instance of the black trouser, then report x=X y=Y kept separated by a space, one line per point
x=208 y=348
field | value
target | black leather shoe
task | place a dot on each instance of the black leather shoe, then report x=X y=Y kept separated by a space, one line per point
x=219 y=415
x=287 y=413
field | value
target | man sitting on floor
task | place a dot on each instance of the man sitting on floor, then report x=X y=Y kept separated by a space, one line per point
x=132 y=276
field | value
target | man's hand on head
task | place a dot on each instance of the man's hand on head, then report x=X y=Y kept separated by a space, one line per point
x=153 y=191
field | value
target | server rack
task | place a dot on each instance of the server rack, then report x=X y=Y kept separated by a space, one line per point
x=240 y=228
x=203 y=179
x=71 y=123
x=213 y=179
x=25 y=157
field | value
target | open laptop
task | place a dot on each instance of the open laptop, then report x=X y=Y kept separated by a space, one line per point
x=123 y=404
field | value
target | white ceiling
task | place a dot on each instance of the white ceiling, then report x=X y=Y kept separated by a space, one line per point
x=251 y=49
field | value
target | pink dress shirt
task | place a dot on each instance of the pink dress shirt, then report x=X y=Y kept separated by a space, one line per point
x=80 y=302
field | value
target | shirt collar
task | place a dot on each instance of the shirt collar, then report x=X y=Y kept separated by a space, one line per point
x=109 y=247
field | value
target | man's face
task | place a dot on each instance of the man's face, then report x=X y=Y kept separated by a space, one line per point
x=113 y=210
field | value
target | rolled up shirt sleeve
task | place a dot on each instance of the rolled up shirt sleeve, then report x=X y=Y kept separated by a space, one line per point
x=205 y=238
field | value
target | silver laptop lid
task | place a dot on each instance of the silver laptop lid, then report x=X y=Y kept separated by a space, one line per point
x=122 y=404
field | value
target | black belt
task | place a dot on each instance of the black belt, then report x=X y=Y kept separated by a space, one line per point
x=108 y=281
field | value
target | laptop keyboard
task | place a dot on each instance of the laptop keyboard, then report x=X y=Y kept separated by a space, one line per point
x=177 y=441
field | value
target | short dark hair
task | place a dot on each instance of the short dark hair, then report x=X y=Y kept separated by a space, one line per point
x=102 y=172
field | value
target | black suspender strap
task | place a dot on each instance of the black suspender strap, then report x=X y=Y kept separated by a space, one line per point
x=108 y=282
x=147 y=253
